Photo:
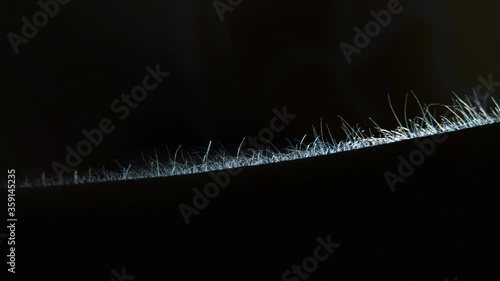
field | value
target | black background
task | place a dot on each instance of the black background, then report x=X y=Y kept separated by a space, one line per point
x=438 y=223
x=227 y=76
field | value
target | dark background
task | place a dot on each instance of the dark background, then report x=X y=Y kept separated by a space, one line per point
x=438 y=223
x=227 y=76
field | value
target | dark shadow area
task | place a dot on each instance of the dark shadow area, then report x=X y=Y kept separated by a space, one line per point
x=439 y=223
x=227 y=75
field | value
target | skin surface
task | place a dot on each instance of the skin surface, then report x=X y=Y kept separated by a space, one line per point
x=461 y=115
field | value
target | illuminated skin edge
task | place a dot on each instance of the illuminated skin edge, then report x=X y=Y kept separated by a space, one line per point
x=461 y=115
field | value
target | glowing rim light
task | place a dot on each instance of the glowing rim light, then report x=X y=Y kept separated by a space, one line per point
x=464 y=114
